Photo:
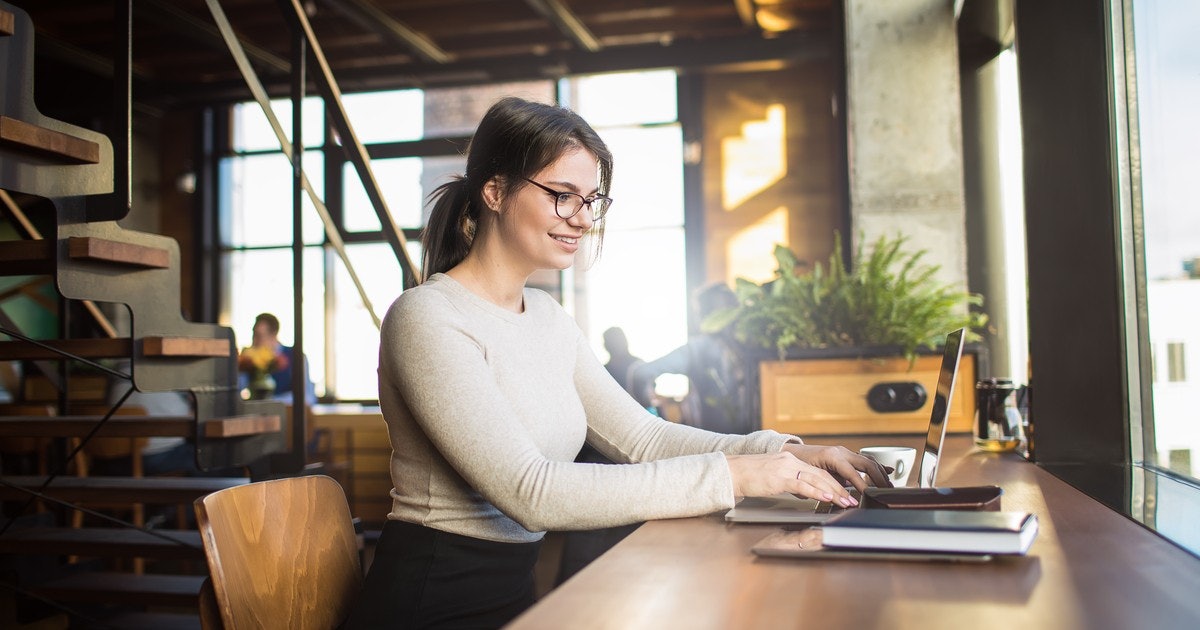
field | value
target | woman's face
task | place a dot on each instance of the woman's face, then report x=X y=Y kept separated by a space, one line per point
x=539 y=238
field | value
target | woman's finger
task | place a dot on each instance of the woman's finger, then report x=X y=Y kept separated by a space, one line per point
x=879 y=474
x=818 y=484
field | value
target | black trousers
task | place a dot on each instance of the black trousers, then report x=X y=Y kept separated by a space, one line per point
x=425 y=578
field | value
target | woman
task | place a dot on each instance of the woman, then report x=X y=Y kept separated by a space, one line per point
x=489 y=390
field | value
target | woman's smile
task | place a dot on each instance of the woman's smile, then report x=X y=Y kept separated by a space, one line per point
x=570 y=243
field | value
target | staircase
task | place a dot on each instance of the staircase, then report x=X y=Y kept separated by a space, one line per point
x=93 y=261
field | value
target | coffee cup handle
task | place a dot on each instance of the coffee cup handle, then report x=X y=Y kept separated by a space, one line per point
x=899 y=469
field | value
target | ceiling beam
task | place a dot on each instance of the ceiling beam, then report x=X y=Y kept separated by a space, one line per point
x=567 y=22
x=188 y=25
x=745 y=51
x=372 y=18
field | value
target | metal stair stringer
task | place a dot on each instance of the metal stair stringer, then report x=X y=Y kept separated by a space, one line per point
x=153 y=294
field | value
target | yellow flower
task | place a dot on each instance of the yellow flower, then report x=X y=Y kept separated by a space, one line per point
x=260 y=359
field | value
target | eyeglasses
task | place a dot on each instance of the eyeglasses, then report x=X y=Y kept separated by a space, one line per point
x=568 y=204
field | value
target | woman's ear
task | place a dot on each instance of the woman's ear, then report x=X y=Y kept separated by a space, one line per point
x=493 y=193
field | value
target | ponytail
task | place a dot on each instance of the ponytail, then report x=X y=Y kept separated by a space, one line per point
x=451 y=227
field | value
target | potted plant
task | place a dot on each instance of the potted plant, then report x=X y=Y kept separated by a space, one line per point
x=817 y=340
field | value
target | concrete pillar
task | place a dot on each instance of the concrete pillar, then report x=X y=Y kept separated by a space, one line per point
x=904 y=128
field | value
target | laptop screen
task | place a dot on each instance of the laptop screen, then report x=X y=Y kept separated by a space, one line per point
x=927 y=473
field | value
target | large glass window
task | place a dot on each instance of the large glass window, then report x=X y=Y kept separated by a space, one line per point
x=258 y=200
x=400 y=183
x=252 y=131
x=1167 y=88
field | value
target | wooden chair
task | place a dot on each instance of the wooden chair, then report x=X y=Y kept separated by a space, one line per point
x=281 y=553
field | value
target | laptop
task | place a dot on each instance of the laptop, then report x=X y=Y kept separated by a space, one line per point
x=787 y=508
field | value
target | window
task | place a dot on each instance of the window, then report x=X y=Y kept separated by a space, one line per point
x=637 y=284
x=1163 y=95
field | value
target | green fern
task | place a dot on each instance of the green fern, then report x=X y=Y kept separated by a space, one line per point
x=886 y=298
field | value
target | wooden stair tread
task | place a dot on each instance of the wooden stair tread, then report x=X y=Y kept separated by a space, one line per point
x=102 y=541
x=137 y=426
x=186 y=347
x=77 y=426
x=121 y=489
x=87 y=348
x=165 y=347
x=7 y=23
x=104 y=587
x=25 y=257
x=105 y=250
x=242 y=425
x=42 y=140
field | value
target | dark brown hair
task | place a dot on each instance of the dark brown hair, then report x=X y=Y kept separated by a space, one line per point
x=270 y=320
x=516 y=139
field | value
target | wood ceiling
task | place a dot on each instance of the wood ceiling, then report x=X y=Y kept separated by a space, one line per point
x=179 y=57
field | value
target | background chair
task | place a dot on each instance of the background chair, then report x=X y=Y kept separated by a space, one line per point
x=281 y=553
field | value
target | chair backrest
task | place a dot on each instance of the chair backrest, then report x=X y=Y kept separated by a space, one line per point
x=281 y=553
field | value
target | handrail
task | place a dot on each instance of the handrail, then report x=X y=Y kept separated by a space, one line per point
x=260 y=96
x=355 y=151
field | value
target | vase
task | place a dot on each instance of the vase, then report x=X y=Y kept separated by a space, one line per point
x=262 y=386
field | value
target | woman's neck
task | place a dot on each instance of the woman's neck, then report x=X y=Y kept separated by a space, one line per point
x=493 y=282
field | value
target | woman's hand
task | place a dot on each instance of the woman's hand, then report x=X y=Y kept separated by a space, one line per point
x=843 y=463
x=777 y=473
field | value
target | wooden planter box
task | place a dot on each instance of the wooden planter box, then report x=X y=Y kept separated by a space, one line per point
x=825 y=392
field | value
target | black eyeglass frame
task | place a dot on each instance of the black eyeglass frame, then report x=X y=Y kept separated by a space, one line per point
x=583 y=201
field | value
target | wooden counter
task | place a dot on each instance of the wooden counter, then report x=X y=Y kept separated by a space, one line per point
x=1090 y=567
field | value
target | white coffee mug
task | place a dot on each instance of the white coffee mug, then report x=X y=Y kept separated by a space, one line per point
x=899 y=458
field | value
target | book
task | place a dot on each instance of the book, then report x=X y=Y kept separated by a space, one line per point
x=950 y=531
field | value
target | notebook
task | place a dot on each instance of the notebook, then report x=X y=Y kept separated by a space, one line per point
x=786 y=508
x=951 y=531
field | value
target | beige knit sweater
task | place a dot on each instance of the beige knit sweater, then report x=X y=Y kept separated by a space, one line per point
x=486 y=410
